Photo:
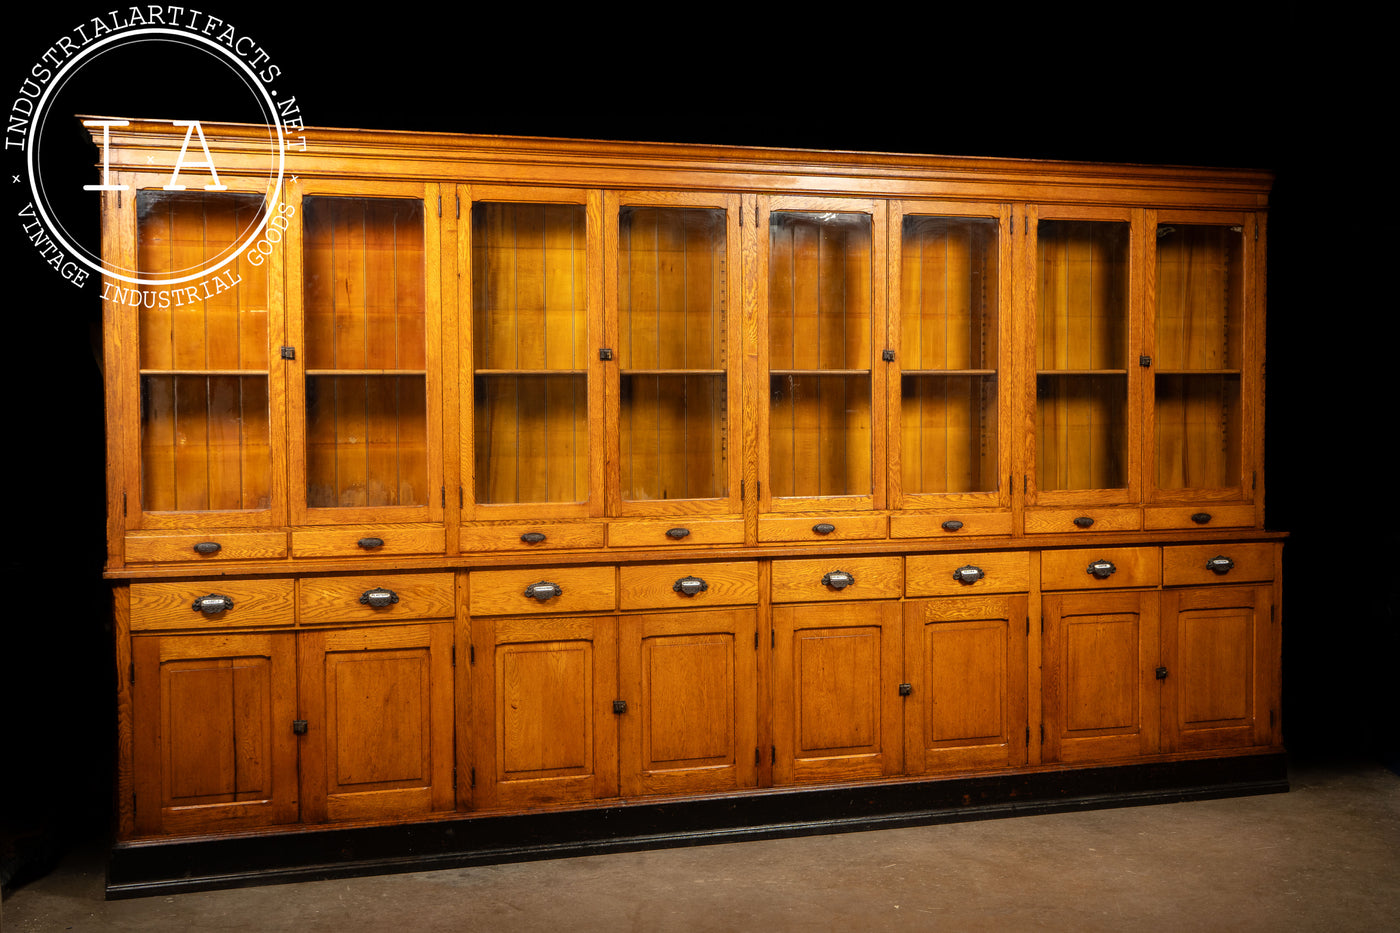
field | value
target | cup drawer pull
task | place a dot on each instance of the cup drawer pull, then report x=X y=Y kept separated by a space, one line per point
x=1102 y=569
x=370 y=544
x=544 y=590
x=532 y=537
x=675 y=534
x=213 y=604
x=1220 y=565
x=1201 y=518
x=824 y=528
x=208 y=547
x=379 y=597
x=952 y=524
x=689 y=586
x=968 y=574
x=838 y=579
x=1084 y=521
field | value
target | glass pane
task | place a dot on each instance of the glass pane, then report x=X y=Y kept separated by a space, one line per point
x=366 y=441
x=204 y=443
x=819 y=431
x=1080 y=438
x=530 y=332
x=364 y=284
x=1081 y=354
x=203 y=354
x=531 y=438
x=819 y=338
x=1199 y=346
x=948 y=351
x=948 y=428
x=672 y=293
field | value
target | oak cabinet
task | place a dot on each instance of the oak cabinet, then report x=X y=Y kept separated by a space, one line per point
x=505 y=475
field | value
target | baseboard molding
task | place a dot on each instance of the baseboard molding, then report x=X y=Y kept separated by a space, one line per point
x=150 y=867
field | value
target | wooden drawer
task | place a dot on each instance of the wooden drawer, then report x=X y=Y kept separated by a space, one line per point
x=522 y=537
x=1220 y=516
x=1061 y=521
x=171 y=605
x=337 y=599
x=797 y=581
x=502 y=592
x=959 y=524
x=843 y=527
x=934 y=574
x=232 y=545
x=654 y=586
x=336 y=541
x=674 y=532
x=1189 y=566
x=1069 y=570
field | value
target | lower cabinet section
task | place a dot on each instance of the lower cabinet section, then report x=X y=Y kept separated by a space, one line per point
x=270 y=704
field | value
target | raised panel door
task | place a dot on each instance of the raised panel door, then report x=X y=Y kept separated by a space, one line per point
x=836 y=712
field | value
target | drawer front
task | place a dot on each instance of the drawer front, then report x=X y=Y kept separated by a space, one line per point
x=582 y=589
x=676 y=532
x=800 y=581
x=1064 y=521
x=368 y=541
x=540 y=536
x=362 y=598
x=680 y=585
x=249 y=602
x=1129 y=566
x=838 y=527
x=1210 y=516
x=944 y=525
x=212 y=546
x=1202 y=563
x=972 y=572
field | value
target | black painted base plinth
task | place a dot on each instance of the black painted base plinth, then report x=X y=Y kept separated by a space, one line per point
x=150 y=867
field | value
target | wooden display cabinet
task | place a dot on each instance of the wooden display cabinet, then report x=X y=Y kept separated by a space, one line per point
x=539 y=495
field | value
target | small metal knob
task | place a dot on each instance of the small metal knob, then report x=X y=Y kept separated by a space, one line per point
x=1220 y=565
x=213 y=604
x=968 y=574
x=689 y=586
x=838 y=579
x=824 y=528
x=532 y=537
x=379 y=597
x=370 y=544
x=676 y=534
x=1102 y=569
x=543 y=590
x=1084 y=521
x=208 y=547
x=952 y=524
x=906 y=689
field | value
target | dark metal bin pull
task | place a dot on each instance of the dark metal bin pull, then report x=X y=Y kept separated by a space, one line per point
x=968 y=574
x=1201 y=518
x=213 y=604
x=824 y=528
x=543 y=590
x=532 y=537
x=1220 y=565
x=379 y=597
x=952 y=524
x=676 y=534
x=1102 y=569
x=838 y=579
x=370 y=544
x=208 y=547
x=689 y=586
x=1084 y=521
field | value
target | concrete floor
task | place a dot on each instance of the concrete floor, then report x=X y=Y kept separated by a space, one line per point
x=1325 y=856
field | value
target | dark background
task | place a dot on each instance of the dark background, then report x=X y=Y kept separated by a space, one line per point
x=1220 y=92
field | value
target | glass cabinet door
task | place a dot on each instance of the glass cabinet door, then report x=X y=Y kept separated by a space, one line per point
x=1084 y=387
x=677 y=354
x=207 y=427
x=948 y=331
x=368 y=321
x=1199 y=338
x=532 y=295
x=824 y=275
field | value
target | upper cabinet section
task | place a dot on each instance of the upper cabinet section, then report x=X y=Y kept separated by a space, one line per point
x=443 y=345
